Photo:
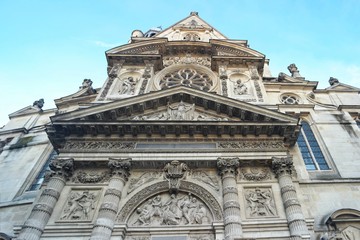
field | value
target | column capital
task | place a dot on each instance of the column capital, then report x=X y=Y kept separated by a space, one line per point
x=120 y=167
x=228 y=165
x=63 y=167
x=282 y=166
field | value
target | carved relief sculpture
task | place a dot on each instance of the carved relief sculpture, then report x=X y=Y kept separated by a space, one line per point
x=171 y=209
x=146 y=177
x=128 y=86
x=255 y=173
x=80 y=205
x=240 y=88
x=260 y=203
x=188 y=59
x=205 y=178
x=174 y=172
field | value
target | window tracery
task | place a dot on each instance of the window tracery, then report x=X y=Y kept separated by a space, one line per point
x=290 y=99
x=187 y=77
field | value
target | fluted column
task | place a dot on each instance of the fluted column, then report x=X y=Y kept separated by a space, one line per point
x=228 y=170
x=282 y=168
x=62 y=169
x=120 y=169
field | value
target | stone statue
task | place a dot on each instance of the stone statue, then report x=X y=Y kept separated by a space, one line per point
x=39 y=103
x=240 y=88
x=333 y=81
x=86 y=83
x=294 y=71
x=79 y=206
x=260 y=203
x=128 y=86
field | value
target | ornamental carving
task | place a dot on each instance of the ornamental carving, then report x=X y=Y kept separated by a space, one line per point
x=226 y=51
x=240 y=88
x=254 y=73
x=180 y=111
x=62 y=167
x=97 y=145
x=282 y=166
x=187 y=77
x=171 y=209
x=228 y=165
x=80 y=205
x=174 y=172
x=260 y=203
x=128 y=86
x=252 y=145
x=188 y=59
x=208 y=236
x=120 y=167
x=258 y=91
x=91 y=176
x=146 y=177
x=153 y=49
x=255 y=173
x=204 y=177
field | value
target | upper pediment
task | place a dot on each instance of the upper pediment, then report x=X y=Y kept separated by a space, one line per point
x=341 y=87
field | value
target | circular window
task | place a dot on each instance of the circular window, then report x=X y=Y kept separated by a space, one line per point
x=186 y=77
x=290 y=99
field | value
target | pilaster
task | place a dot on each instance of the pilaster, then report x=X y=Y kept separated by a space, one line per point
x=228 y=170
x=120 y=170
x=62 y=169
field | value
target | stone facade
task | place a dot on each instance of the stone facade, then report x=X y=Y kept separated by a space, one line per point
x=190 y=137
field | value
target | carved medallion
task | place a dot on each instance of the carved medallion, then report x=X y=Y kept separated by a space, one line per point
x=255 y=173
x=91 y=176
x=260 y=203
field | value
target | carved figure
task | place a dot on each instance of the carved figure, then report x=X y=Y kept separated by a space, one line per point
x=181 y=112
x=86 y=83
x=176 y=210
x=240 y=88
x=79 y=206
x=333 y=81
x=39 y=103
x=128 y=86
x=260 y=203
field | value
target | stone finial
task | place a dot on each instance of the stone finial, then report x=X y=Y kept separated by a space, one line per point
x=175 y=171
x=194 y=14
x=282 y=165
x=39 y=103
x=333 y=81
x=120 y=167
x=294 y=71
x=228 y=165
x=62 y=167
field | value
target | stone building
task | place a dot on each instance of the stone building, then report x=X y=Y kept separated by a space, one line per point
x=189 y=138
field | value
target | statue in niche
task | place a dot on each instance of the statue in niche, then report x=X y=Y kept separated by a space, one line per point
x=240 y=88
x=260 y=203
x=178 y=209
x=128 y=86
x=80 y=206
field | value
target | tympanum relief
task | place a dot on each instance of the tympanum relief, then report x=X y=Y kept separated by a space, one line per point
x=260 y=203
x=166 y=209
x=180 y=111
x=80 y=205
x=240 y=87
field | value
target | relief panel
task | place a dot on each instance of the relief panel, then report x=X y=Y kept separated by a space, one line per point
x=259 y=202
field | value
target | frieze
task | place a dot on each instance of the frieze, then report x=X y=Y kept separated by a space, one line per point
x=98 y=145
x=260 y=203
x=171 y=209
x=91 y=176
x=137 y=238
x=252 y=145
x=202 y=176
x=255 y=173
x=80 y=205
x=188 y=59
x=146 y=177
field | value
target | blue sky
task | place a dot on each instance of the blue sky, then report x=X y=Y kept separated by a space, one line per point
x=48 y=47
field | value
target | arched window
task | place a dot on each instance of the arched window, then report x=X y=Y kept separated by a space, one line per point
x=310 y=149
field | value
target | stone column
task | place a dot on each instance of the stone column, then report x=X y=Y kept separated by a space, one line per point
x=282 y=168
x=62 y=169
x=228 y=170
x=120 y=169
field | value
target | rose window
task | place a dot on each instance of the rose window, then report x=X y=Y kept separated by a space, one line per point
x=187 y=77
x=290 y=99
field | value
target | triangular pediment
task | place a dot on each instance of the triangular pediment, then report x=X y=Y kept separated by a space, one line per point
x=341 y=87
x=25 y=111
x=191 y=24
x=209 y=104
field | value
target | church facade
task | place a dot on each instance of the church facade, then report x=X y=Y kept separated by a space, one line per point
x=189 y=138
